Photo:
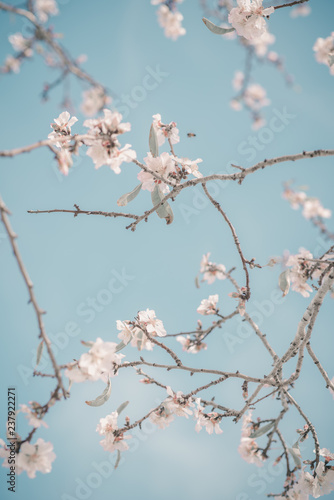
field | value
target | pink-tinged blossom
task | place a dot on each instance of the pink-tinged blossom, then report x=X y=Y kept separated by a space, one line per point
x=165 y=131
x=103 y=141
x=94 y=100
x=210 y=421
x=21 y=44
x=108 y=428
x=300 y=11
x=212 y=271
x=45 y=8
x=248 y=18
x=255 y=97
x=190 y=166
x=62 y=128
x=208 y=306
x=312 y=207
x=192 y=346
x=36 y=457
x=32 y=417
x=162 y=165
x=65 y=162
x=299 y=271
x=248 y=447
x=97 y=363
x=328 y=455
x=262 y=43
x=324 y=51
x=179 y=405
x=238 y=80
x=171 y=22
x=149 y=321
x=12 y=64
x=130 y=333
x=162 y=417
x=321 y=484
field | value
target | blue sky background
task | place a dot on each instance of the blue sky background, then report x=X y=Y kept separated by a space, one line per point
x=72 y=260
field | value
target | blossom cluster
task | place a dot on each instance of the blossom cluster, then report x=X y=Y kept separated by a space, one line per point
x=31 y=458
x=248 y=448
x=312 y=207
x=300 y=266
x=134 y=332
x=177 y=404
x=169 y=18
x=324 y=51
x=96 y=364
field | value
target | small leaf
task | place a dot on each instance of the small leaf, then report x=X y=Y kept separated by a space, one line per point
x=262 y=430
x=296 y=455
x=217 y=30
x=127 y=197
x=87 y=344
x=284 y=282
x=122 y=407
x=100 y=400
x=120 y=346
x=331 y=59
x=39 y=352
x=164 y=211
x=118 y=459
x=197 y=282
x=153 y=142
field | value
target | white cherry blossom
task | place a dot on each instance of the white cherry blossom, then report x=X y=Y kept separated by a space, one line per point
x=179 y=405
x=162 y=165
x=171 y=21
x=153 y=325
x=32 y=417
x=94 y=100
x=96 y=363
x=191 y=346
x=162 y=417
x=208 y=306
x=36 y=457
x=165 y=131
x=212 y=271
x=248 y=18
x=108 y=427
x=46 y=8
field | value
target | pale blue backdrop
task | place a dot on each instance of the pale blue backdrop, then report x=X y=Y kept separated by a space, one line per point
x=72 y=260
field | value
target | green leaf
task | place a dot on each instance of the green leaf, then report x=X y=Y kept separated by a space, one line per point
x=118 y=459
x=153 y=142
x=331 y=59
x=284 y=282
x=120 y=346
x=296 y=455
x=217 y=30
x=164 y=211
x=122 y=407
x=127 y=197
x=262 y=430
x=100 y=400
x=39 y=352
x=197 y=282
